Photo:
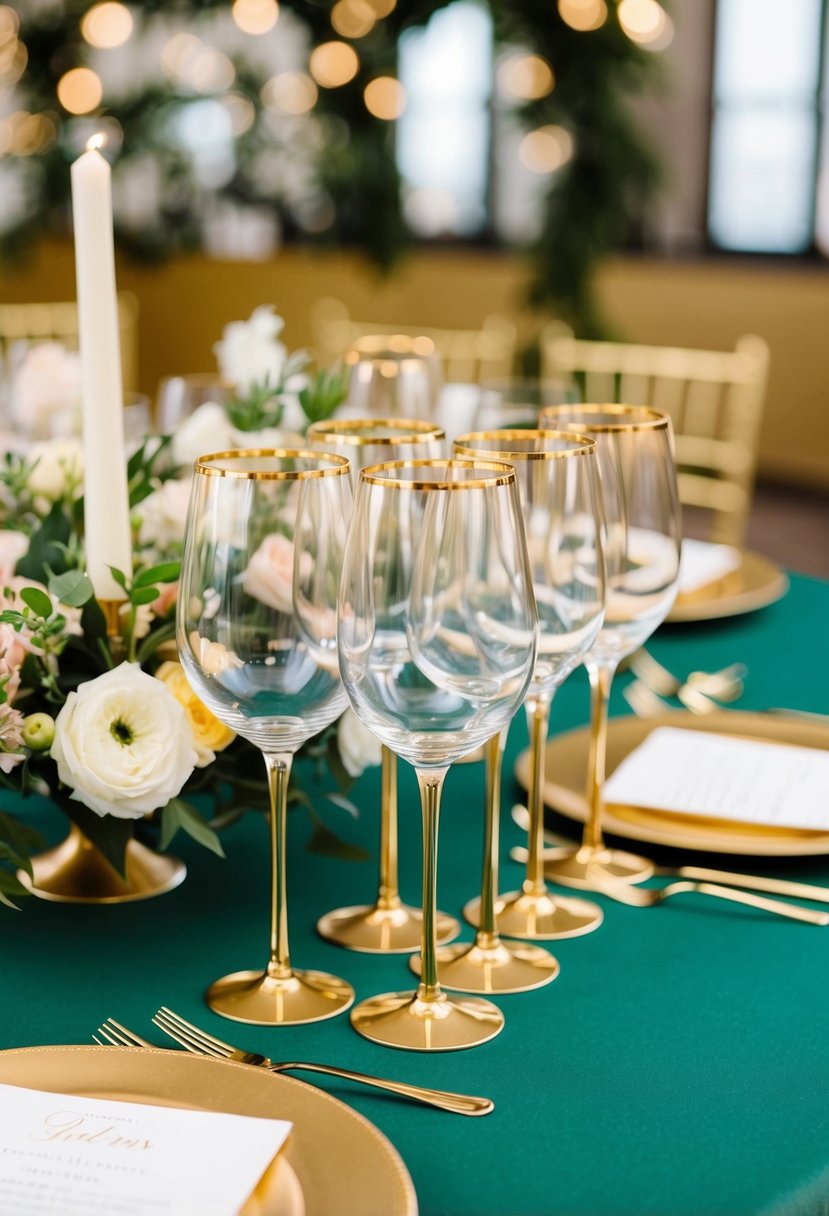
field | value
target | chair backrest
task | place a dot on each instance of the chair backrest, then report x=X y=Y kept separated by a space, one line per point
x=58 y=322
x=466 y=355
x=715 y=400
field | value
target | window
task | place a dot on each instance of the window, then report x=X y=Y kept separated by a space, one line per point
x=768 y=104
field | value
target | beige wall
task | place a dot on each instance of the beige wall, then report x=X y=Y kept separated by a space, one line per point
x=184 y=305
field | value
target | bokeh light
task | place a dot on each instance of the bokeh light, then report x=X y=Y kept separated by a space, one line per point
x=353 y=18
x=255 y=16
x=646 y=23
x=583 y=14
x=546 y=149
x=385 y=98
x=9 y=24
x=333 y=64
x=107 y=25
x=382 y=8
x=527 y=77
x=241 y=111
x=290 y=93
x=80 y=90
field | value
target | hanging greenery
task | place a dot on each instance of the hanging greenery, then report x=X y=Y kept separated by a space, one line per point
x=306 y=158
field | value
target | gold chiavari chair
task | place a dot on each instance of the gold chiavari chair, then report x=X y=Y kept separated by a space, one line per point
x=715 y=400
x=467 y=356
x=29 y=324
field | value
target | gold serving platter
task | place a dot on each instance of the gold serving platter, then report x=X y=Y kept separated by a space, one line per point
x=756 y=582
x=565 y=771
x=335 y=1163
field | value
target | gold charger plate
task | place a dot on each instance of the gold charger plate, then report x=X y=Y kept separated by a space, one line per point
x=756 y=582
x=565 y=769
x=335 y=1163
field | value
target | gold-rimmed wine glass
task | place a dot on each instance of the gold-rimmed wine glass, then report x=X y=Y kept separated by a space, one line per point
x=388 y=926
x=392 y=376
x=642 y=537
x=256 y=630
x=557 y=479
x=513 y=402
x=437 y=635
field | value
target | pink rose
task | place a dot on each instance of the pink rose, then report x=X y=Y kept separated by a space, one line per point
x=11 y=738
x=269 y=577
x=166 y=600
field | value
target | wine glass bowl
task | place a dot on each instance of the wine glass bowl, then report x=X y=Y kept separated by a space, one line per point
x=256 y=629
x=642 y=537
x=437 y=636
x=392 y=376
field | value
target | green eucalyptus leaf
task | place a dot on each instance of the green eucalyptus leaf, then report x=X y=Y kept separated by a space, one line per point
x=72 y=588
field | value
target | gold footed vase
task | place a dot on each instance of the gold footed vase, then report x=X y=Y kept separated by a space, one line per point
x=76 y=872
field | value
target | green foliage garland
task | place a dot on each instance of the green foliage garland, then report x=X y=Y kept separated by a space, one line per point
x=593 y=206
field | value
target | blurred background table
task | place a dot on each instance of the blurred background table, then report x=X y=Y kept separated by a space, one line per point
x=680 y=1063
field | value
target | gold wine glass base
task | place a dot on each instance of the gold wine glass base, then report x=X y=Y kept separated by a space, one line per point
x=263 y=1000
x=75 y=872
x=402 y=1019
x=542 y=917
x=570 y=866
x=376 y=930
x=498 y=968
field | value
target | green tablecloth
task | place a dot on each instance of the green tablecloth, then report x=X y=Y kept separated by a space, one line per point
x=679 y=1064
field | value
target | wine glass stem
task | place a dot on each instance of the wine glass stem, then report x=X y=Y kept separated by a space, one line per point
x=487 y=934
x=430 y=782
x=538 y=722
x=601 y=678
x=279 y=772
x=389 y=894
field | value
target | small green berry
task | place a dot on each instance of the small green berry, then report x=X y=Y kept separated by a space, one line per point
x=38 y=732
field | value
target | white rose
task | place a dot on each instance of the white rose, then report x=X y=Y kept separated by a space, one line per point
x=58 y=464
x=249 y=352
x=164 y=513
x=13 y=546
x=207 y=429
x=123 y=744
x=359 y=748
x=46 y=393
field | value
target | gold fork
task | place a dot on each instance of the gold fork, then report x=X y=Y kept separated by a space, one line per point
x=648 y=897
x=723 y=685
x=199 y=1042
x=752 y=882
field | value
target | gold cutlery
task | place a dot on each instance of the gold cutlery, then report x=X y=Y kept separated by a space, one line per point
x=647 y=897
x=199 y=1042
x=752 y=882
x=723 y=685
x=646 y=703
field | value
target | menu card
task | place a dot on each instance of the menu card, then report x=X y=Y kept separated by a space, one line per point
x=703 y=562
x=86 y=1157
x=725 y=777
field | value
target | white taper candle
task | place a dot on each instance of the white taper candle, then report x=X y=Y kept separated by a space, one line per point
x=106 y=501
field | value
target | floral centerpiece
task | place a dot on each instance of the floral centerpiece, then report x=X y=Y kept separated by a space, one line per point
x=96 y=714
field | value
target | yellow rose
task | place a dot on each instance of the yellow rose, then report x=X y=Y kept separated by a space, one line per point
x=209 y=734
